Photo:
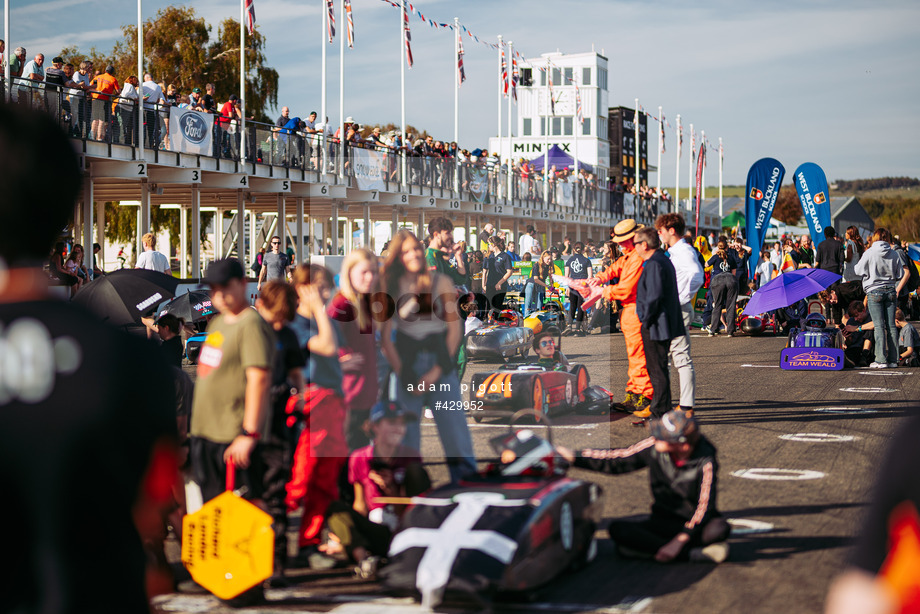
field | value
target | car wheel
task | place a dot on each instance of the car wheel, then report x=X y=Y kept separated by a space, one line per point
x=477 y=416
x=581 y=383
x=537 y=397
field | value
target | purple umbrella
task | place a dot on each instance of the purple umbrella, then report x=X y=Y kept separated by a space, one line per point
x=789 y=288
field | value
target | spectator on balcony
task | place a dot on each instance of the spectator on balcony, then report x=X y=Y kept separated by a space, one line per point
x=153 y=101
x=195 y=100
x=282 y=121
x=208 y=101
x=229 y=115
x=69 y=98
x=82 y=81
x=104 y=85
x=29 y=93
x=2 y=52
x=17 y=62
x=172 y=95
x=125 y=109
x=54 y=87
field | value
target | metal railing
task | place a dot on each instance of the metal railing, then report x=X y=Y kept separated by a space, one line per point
x=109 y=118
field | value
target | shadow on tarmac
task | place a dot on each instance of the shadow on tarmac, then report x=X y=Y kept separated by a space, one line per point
x=726 y=412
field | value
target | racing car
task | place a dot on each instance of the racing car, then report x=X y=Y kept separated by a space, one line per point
x=512 y=528
x=503 y=336
x=550 y=391
x=193 y=346
x=754 y=325
x=813 y=347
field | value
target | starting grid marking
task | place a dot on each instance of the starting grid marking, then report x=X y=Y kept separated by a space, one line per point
x=745 y=526
x=778 y=474
x=818 y=437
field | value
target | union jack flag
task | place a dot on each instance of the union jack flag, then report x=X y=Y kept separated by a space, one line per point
x=460 y=71
x=349 y=25
x=579 y=112
x=552 y=97
x=514 y=77
x=330 y=19
x=408 y=35
x=251 y=15
x=504 y=74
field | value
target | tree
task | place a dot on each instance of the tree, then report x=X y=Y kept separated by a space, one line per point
x=121 y=224
x=788 y=209
x=178 y=50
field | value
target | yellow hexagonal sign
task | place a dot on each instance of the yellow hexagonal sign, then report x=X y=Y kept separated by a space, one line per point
x=228 y=545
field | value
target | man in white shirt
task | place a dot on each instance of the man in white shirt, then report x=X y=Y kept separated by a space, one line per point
x=151 y=259
x=689 y=273
x=154 y=104
x=527 y=241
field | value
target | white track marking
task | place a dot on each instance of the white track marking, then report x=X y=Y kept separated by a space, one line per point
x=818 y=437
x=880 y=372
x=762 y=366
x=845 y=410
x=745 y=526
x=777 y=474
x=869 y=390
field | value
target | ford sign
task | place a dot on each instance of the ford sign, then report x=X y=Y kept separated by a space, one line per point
x=194 y=127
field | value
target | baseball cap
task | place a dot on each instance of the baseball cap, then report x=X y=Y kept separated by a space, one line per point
x=390 y=409
x=197 y=90
x=222 y=271
x=673 y=427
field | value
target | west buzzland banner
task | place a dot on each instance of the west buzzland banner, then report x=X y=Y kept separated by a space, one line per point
x=190 y=131
x=370 y=168
x=762 y=188
x=811 y=184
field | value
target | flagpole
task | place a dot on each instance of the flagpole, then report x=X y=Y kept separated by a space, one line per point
x=501 y=87
x=509 y=196
x=720 y=177
x=140 y=97
x=575 y=128
x=546 y=127
x=457 y=105
x=636 y=118
x=703 y=182
x=690 y=169
x=677 y=170
x=343 y=34
x=242 y=83
x=660 y=134
x=402 y=80
x=324 y=117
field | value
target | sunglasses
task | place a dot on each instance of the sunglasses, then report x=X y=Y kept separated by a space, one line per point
x=547 y=342
x=276 y=242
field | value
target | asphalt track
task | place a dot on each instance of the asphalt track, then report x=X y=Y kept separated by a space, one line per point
x=790 y=537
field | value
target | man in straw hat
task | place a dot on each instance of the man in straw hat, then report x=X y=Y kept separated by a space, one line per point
x=628 y=268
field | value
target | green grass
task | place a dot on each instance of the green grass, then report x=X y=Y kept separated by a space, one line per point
x=712 y=191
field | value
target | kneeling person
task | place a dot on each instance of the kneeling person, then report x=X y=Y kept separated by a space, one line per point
x=684 y=523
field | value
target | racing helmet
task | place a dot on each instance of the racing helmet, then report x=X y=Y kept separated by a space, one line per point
x=674 y=427
x=814 y=321
x=507 y=316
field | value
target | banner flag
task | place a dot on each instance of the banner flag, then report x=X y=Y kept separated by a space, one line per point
x=460 y=70
x=700 y=161
x=514 y=77
x=761 y=191
x=504 y=75
x=568 y=195
x=579 y=112
x=811 y=184
x=370 y=168
x=330 y=20
x=190 y=131
x=479 y=184
x=661 y=123
x=408 y=37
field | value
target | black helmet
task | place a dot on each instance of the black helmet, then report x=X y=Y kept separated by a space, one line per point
x=815 y=321
x=674 y=427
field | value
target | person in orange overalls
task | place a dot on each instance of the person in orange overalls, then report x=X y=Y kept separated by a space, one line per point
x=627 y=269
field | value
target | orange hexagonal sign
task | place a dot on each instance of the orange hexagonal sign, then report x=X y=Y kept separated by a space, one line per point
x=228 y=545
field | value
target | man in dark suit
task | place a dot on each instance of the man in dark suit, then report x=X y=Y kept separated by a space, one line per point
x=658 y=308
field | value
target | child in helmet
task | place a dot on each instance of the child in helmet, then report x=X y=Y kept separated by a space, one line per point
x=684 y=523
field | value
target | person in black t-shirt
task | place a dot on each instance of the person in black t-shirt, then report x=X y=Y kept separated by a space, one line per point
x=497 y=268
x=831 y=254
x=75 y=460
x=724 y=288
x=577 y=267
x=168 y=330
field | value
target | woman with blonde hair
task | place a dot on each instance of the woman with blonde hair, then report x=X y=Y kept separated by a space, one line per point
x=854 y=251
x=428 y=333
x=541 y=278
x=352 y=309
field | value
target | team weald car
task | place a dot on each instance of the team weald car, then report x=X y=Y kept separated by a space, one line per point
x=813 y=347
x=510 y=529
x=547 y=389
x=503 y=337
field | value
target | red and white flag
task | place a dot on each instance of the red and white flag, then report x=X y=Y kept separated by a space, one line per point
x=661 y=123
x=460 y=71
x=579 y=112
x=251 y=15
x=514 y=77
x=504 y=73
x=408 y=35
x=349 y=25
x=330 y=19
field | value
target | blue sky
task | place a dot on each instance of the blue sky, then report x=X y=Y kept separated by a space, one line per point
x=830 y=82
